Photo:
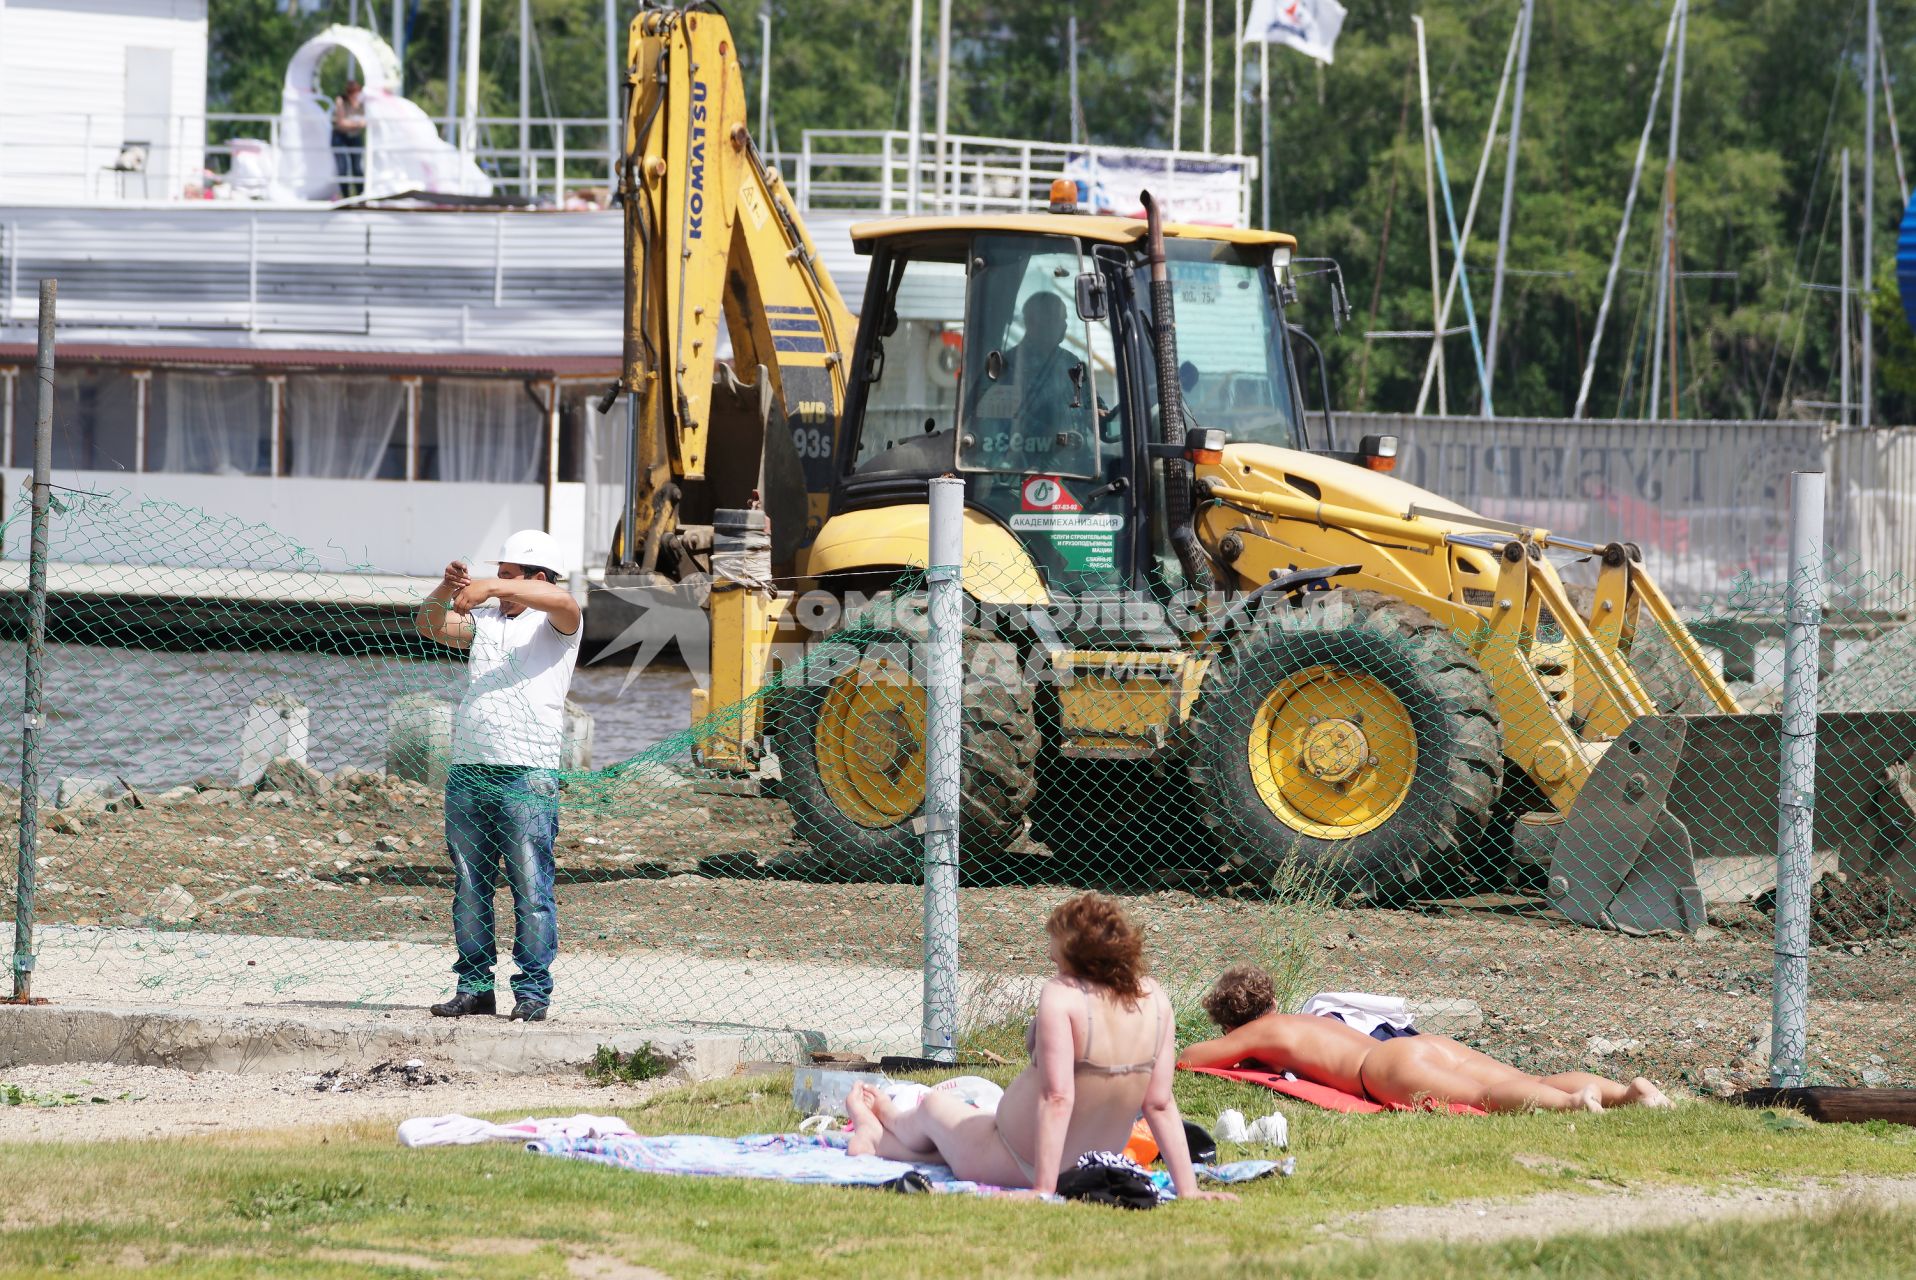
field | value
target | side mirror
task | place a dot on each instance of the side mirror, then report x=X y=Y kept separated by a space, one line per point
x=1093 y=303
x=1379 y=453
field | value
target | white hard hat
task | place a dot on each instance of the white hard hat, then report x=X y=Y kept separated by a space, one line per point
x=533 y=547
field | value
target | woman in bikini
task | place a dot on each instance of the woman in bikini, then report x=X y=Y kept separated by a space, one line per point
x=1101 y=1052
x=1409 y=1071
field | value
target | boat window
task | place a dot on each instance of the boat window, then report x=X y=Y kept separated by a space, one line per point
x=212 y=422
x=94 y=419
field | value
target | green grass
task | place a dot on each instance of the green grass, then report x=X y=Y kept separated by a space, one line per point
x=351 y=1202
x=609 y=1066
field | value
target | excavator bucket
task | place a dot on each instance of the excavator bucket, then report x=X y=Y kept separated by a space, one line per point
x=1681 y=813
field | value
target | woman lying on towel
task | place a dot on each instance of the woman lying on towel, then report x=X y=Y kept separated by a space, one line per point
x=1408 y=1071
x=1101 y=1051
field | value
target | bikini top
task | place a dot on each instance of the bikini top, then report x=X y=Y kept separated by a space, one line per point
x=1083 y=1064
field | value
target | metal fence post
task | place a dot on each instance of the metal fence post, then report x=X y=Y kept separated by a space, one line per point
x=1796 y=784
x=944 y=713
x=36 y=653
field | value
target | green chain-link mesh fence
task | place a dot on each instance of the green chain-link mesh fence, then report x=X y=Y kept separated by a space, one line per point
x=1332 y=783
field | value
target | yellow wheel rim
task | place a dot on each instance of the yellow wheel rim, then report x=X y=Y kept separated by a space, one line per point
x=870 y=743
x=1332 y=753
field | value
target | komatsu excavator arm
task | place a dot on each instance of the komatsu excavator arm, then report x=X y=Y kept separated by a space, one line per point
x=711 y=233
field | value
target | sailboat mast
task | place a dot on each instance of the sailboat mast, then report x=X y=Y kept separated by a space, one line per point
x=1623 y=225
x=1843 y=312
x=1430 y=217
x=1867 y=411
x=1666 y=292
x=1525 y=18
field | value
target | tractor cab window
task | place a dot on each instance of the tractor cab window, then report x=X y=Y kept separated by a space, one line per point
x=1031 y=365
x=1230 y=340
x=911 y=404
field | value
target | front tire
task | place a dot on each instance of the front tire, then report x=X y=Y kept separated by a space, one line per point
x=1350 y=735
x=850 y=741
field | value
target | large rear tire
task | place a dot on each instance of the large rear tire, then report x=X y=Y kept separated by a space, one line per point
x=1351 y=735
x=850 y=741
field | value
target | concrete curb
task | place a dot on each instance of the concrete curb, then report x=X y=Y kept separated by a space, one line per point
x=244 y=1043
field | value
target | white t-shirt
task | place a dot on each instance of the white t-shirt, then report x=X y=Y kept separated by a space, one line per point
x=513 y=712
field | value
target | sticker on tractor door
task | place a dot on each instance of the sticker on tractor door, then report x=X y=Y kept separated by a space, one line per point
x=1047 y=493
x=1084 y=543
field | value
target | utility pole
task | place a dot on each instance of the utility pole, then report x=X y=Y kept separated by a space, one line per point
x=1867 y=415
x=917 y=104
x=1430 y=215
x=1071 y=61
x=1210 y=31
x=525 y=95
x=399 y=42
x=765 y=76
x=1237 y=78
x=614 y=117
x=1264 y=110
x=1525 y=17
x=1177 y=86
x=455 y=9
x=944 y=94
x=469 y=135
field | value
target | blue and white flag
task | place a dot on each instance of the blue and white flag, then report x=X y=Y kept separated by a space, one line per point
x=1308 y=26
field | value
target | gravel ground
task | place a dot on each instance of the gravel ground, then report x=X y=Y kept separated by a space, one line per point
x=366 y=861
x=152 y=1102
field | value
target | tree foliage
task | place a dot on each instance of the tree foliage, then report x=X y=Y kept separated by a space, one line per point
x=1771 y=93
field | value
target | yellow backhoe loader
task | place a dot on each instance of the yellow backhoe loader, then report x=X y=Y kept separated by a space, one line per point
x=1330 y=667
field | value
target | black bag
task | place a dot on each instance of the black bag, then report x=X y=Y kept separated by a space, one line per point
x=1103 y=1178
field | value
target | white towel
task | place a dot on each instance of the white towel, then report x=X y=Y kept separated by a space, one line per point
x=1360 y=1010
x=461 y=1131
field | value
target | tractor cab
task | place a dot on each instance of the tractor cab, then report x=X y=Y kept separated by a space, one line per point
x=1017 y=352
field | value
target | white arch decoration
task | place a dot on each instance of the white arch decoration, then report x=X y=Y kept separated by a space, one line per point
x=404 y=152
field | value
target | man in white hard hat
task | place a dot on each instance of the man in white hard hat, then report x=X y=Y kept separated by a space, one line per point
x=502 y=789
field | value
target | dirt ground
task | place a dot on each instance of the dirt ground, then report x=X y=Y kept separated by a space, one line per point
x=152 y=1102
x=1613 y=1210
x=366 y=860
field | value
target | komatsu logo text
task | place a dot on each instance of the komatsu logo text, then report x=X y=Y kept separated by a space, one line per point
x=695 y=205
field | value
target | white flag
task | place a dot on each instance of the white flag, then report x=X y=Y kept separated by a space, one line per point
x=1308 y=26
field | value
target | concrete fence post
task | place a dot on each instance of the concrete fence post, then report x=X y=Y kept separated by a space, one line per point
x=30 y=719
x=277 y=724
x=1796 y=784
x=419 y=738
x=944 y=716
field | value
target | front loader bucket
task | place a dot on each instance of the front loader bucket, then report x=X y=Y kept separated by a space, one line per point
x=1681 y=813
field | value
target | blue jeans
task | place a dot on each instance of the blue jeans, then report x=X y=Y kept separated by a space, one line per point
x=496 y=814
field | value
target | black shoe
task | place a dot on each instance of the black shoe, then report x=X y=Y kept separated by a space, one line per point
x=466 y=1003
x=529 y=1011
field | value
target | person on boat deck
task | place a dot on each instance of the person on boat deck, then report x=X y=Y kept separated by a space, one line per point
x=1101 y=1051
x=349 y=139
x=1410 y=1071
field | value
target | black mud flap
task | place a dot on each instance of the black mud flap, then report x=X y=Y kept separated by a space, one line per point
x=1681 y=813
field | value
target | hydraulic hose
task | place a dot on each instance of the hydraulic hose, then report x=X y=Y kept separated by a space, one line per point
x=1177 y=473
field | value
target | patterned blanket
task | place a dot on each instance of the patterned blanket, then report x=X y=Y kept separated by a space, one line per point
x=815 y=1158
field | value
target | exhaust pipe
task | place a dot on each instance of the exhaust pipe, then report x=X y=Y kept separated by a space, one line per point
x=1177 y=472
